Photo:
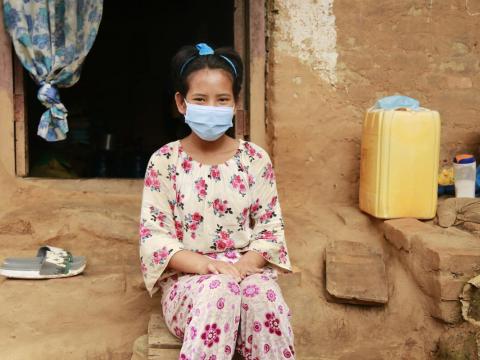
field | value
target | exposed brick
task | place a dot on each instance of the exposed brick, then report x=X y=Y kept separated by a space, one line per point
x=400 y=232
x=440 y=260
x=446 y=310
x=447 y=251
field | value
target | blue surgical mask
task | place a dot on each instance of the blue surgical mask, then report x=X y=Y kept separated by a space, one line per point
x=209 y=122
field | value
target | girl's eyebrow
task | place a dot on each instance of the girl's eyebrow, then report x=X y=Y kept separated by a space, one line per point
x=226 y=94
x=198 y=94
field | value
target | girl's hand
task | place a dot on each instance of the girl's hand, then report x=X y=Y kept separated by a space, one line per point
x=221 y=267
x=246 y=268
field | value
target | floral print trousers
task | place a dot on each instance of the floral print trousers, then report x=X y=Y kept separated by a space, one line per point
x=214 y=315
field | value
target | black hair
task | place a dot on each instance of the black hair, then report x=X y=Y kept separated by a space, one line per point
x=213 y=61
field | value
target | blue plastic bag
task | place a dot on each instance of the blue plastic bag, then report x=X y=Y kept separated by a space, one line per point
x=397 y=101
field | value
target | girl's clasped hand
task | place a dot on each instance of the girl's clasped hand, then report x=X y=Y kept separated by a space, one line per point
x=239 y=270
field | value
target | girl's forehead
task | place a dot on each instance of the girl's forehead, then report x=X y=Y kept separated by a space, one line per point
x=210 y=80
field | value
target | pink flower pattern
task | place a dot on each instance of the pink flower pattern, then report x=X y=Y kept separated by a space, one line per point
x=239 y=184
x=211 y=335
x=152 y=180
x=220 y=207
x=271 y=295
x=201 y=188
x=223 y=240
x=161 y=255
x=187 y=165
x=251 y=291
x=192 y=223
x=269 y=174
x=272 y=323
x=214 y=173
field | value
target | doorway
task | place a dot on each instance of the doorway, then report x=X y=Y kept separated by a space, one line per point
x=122 y=108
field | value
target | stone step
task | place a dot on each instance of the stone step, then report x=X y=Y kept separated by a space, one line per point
x=355 y=273
x=440 y=260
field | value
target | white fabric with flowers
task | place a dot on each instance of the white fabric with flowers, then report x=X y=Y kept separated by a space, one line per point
x=227 y=208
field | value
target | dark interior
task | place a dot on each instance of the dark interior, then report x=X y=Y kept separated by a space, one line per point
x=122 y=108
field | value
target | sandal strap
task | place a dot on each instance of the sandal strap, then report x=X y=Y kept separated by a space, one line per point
x=56 y=258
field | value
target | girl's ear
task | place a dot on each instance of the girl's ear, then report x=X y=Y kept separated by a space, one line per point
x=180 y=101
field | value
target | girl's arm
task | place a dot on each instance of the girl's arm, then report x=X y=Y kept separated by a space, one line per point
x=268 y=238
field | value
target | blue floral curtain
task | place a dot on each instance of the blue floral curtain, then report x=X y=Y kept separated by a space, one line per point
x=52 y=39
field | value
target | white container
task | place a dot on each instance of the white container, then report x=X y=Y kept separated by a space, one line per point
x=465 y=175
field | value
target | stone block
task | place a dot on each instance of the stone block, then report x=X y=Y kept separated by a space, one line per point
x=449 y=311
x=456 y=252
x=440 y=260
x=355 y=273
x=400 y=232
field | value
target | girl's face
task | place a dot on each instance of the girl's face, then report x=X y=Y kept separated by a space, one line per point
x=213 y=87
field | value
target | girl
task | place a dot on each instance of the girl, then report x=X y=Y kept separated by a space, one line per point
x=211 y=227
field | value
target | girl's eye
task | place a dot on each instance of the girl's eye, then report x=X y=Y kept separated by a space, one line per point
x=223 y=100
x=198 y=99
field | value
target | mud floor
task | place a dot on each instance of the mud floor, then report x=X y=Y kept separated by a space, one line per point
x=99 y=314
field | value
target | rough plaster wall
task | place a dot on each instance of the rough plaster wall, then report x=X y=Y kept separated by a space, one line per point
x=308 y=33
x=425 y=49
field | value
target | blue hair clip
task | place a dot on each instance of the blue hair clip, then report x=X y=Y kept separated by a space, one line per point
x=204 y=49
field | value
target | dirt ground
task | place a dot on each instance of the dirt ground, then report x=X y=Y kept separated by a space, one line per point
x=99 y=314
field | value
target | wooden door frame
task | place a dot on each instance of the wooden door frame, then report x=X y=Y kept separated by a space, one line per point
x=7 y=123
x=249 y=41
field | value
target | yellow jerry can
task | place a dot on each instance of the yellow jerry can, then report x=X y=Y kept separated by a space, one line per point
x=399 y=163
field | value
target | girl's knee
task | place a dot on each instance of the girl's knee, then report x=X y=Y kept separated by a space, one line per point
x=222 y=288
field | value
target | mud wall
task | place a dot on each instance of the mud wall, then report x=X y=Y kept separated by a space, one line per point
x=329 y=60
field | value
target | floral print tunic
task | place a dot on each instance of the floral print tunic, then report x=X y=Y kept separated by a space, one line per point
x=226 y=208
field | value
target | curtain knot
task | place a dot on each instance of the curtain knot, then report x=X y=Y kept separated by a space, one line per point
x=48 y=94
x=53 y=123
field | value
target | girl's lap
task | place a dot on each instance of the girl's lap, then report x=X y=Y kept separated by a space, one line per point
x=181 y=290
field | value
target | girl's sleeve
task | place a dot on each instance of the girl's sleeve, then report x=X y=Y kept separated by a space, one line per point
x=158 y=240
x=268 y=234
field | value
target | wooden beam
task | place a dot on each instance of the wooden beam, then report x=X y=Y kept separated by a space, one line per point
x=7 y=129
x=240 y=45
x=256 y=72
x=21 y=124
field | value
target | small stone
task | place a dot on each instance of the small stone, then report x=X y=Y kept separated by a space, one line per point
x=460 y=48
